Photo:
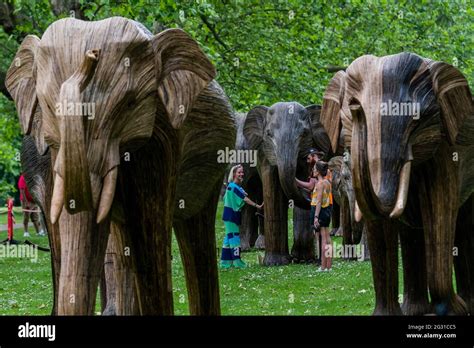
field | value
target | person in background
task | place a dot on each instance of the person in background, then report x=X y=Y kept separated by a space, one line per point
x=312 y=156
x=234 y=199
x=322 y=214
x=29 y=209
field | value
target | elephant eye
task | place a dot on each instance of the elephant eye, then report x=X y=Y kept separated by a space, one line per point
x=269 y=133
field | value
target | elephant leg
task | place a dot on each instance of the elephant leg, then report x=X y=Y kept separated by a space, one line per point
x=276 y=219
x=248 y=227
x=146 y=190
x=107 y=282
x=55 y=247
x=464 y=258
x=415 y=284
x=303 y=237
x=364 y=244
x=439 y=204
x=336 y=219
x=54 y=238
x=383 y=245
x=148 y=226
x=119 y=274
x=197 y=244
x=346 y=227
x=260 y=241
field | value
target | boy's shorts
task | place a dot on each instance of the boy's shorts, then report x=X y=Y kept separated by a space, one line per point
x=325 y=216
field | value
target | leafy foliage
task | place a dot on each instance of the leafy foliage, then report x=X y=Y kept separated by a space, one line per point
x=269 y=51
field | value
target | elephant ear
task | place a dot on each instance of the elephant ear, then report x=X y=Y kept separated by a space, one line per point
x=21 y=82
x=254 y=125
x=331 y=110
x=455 y=101
x=183 y=71
x=319 y=135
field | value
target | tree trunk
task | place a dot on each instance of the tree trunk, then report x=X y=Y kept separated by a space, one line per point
x=303 y=237
x=276 y=219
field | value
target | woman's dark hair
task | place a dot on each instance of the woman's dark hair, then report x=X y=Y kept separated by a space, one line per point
x=322 y=168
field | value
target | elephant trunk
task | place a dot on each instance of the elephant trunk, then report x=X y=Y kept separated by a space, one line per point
x=356 y=226
x=390 y=200
x=361 y=176
x=72 y=184
x=287 y=163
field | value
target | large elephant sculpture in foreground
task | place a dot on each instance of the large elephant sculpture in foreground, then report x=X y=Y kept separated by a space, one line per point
x=133 y=124
x=281 y=134
x=409 y=124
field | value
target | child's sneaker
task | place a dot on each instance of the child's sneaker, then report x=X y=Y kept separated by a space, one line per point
x=41 y=233
x=320 y=270
x=239 y=264
x=26 y=234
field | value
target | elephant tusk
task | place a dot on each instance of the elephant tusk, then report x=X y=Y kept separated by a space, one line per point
x=107 y=196
x=357 y=212
x=402 y=193
x=57 y=201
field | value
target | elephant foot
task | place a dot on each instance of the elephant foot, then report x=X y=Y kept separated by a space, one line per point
x=244 y=247
x=302 y=259
x=469 y=304
x=334 y=231
x=416 y=307
x=109 y=310
x=260 y=242
x=393 y=309
x=454 y=306
x=275 y=259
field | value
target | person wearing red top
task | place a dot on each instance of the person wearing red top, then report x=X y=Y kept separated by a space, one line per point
x=29 y=209
x=11 y=218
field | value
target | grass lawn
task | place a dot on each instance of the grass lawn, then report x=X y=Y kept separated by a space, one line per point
x=25 y=287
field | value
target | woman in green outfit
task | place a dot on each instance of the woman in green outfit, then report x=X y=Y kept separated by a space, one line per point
x=234 y=199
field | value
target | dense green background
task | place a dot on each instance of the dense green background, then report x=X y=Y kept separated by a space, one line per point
x=264 y=51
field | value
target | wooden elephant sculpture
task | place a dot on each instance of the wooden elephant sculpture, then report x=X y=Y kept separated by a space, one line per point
x=133 y=123
x=409 y=124
x=281 y=134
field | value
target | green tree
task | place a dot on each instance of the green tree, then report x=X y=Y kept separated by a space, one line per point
x=264 y=51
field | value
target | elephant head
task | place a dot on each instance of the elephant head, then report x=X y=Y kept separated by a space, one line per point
x=282 y=133
x=394 y=112
x=98 y=88
x=344 y=195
